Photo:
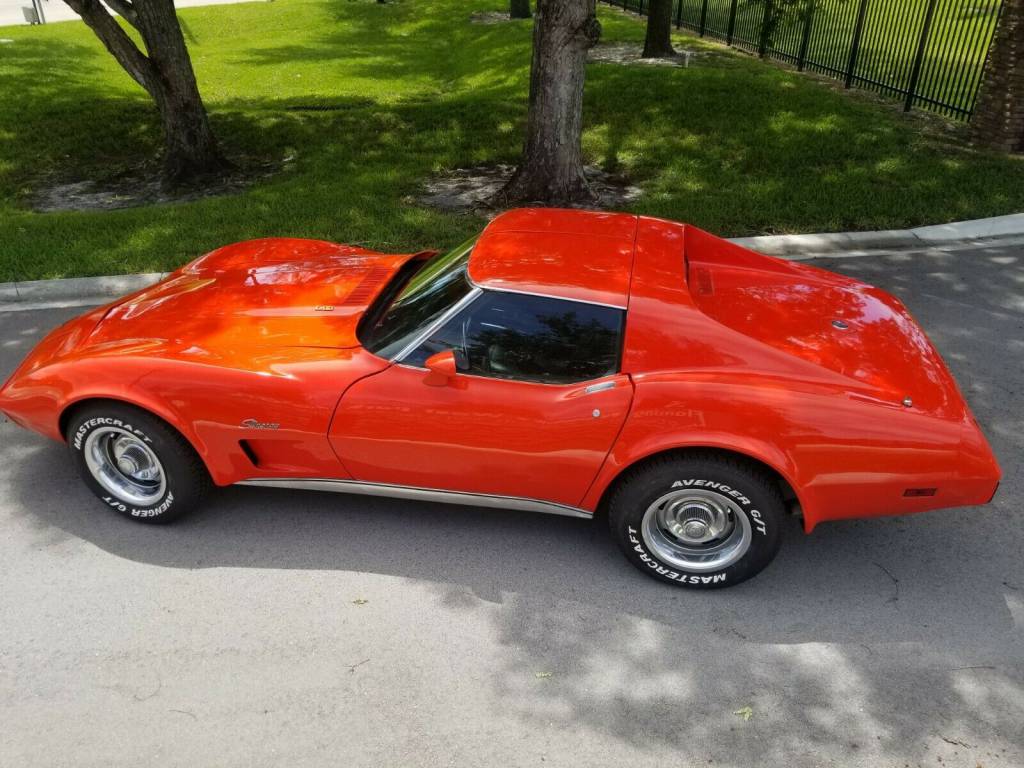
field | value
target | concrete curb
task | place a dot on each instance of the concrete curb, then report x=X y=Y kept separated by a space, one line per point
x=1011 y=225
x=77 y=287
x=794 y=247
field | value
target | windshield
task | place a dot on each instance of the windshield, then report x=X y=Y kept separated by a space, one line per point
x=431 y=291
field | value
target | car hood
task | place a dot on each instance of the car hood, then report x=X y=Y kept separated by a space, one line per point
x=835 y=322
x=262 y=293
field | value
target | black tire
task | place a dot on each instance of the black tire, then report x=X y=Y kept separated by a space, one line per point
x=733 y=485
x=183 y=483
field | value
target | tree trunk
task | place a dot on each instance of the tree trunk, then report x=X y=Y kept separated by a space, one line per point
x=658 y=41
x=551 y=170
x=190 y=148
x=519 y=9
x=998 y=120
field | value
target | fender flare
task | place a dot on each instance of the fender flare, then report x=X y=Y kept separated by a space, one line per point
x=770 y=457
x=166 y=415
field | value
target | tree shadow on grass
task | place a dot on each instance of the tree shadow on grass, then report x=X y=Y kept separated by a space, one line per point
x=56 y=115
x=731 y=145
x=439 y=52
x=752 y=149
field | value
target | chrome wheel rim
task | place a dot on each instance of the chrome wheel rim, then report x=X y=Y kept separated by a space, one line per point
x=698 y=530
x=125 y=466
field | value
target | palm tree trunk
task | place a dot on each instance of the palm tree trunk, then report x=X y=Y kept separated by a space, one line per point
x=998 y=120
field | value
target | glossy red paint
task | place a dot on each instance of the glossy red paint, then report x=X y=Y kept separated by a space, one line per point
x=826 y=381
x=490 y=436
x=551 y=254
x=442 y=369
x=254 y=296
x=264 y=328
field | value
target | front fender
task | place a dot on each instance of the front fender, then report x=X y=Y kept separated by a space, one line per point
x=39 y=399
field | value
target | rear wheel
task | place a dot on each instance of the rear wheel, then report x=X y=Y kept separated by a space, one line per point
x=135 y=463
x=701 y=521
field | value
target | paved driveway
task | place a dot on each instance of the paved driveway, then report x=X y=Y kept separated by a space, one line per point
x=282 y=628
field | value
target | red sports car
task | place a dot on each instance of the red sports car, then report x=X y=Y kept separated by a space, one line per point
x=571 y=362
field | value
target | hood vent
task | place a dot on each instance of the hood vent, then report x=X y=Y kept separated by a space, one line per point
x=367 y=287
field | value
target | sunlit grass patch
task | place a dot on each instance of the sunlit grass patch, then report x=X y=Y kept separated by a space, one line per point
x=360 y=103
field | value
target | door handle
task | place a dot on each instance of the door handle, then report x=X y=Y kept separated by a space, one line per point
x=601 y=386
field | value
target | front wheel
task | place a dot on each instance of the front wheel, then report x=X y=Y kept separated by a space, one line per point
x=135 y=463
x=701 y=521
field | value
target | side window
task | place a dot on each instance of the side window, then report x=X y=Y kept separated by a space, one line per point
x=530 y=338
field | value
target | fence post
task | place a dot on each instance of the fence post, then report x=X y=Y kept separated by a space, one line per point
x=703 y=17
x=922 y=45
x=805 y=41
x=851 y=63
x=679 y=14
x=732 y=23
x=769 y=11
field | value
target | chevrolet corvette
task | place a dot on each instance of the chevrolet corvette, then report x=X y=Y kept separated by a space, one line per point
x=693 y=393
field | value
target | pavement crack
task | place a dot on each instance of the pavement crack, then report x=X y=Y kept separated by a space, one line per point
x=148 y=696
x=895 y=583
x=957 y=743
x=977 y=666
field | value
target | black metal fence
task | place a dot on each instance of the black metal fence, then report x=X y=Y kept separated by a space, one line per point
x=928 y=53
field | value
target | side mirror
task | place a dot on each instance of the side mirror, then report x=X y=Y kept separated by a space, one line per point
x=441 y=368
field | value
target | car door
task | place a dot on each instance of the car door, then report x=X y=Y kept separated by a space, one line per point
x=533 y=410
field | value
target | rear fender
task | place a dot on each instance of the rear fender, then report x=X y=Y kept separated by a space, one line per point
x=620 y=461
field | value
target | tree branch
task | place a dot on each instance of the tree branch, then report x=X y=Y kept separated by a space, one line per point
x=590 y=33
x=125 y=9
x=116 y=40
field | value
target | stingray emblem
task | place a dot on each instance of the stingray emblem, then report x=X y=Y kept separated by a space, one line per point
x=253 y=424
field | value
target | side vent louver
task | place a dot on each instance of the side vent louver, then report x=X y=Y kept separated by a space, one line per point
x=249 y=452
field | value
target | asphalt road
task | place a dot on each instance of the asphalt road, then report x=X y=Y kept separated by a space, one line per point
x=285 y=628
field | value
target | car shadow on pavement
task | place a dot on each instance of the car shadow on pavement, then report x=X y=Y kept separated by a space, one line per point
x=856 y=581
x=823 y=620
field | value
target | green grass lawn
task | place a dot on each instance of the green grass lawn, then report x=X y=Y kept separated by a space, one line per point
x=958 y=38
x=407 y=89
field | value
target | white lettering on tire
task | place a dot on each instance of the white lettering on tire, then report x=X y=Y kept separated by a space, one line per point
x=86 y=426
x=654 y=565
x=144 y=511
x=756 y=517
x=759 y=522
